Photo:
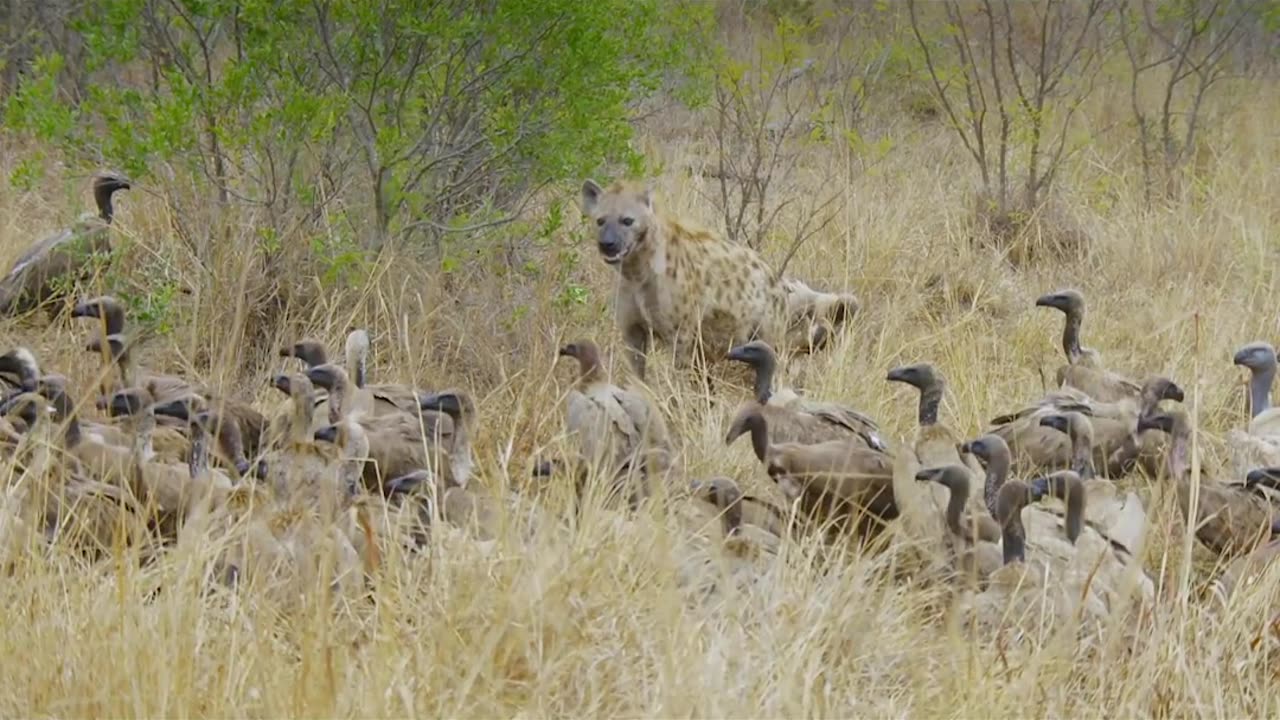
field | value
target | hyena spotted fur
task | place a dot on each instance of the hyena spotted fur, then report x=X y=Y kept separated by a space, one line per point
x=681 y=284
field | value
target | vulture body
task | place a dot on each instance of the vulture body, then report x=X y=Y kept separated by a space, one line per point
x=840 y=485
x=49 y=266
x=1231 y=519
x=1258 y=445
x=792 y=418
x=617 y=431
x=936 y=444
x=1084 y=370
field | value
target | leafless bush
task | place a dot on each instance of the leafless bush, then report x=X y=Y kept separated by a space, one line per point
x=1187 y=45
x=770 y=112
x=1010 y=78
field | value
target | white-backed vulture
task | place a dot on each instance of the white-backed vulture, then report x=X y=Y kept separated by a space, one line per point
x=838 y=483
x=50 y=266
x=55 y=499
x=169 y=442
x=1117 y=445
x=455 y=467
x=347 y=398
x=171 y=492
x=617 y=431
x=973 y=537
x=311 y=352
x=936 y=444
x=251 y=425
x=299 y=470
x=1231 y=519
x=1084 y=369
x=1259 y=443
x=1056 y=566
x=793 y=418
x=19 y=370
x=745 y=519
x=120 y=355
x=1247 y=569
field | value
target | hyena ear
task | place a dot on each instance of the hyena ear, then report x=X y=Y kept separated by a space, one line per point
x=591 y=193
x=646 y=196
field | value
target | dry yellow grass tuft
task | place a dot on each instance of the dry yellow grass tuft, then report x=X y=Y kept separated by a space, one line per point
x=610 y=615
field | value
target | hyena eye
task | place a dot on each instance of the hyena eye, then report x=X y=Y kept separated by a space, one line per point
x=628 y=221
x=600 y=221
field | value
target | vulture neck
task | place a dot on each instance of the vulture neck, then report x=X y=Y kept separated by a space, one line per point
x=959 y=497
x=1178 y=463
x=303 y=403
x=1082 y=453
x=997 y=473
x=1014 y=539
x=930 y=399
x=731 y=520
x=145 y=425
x=1260 y=390
x=66 y=413
x=102 y=195
x=590 y=371
x=765 y=370
x=1071 y=335
x=339 y=396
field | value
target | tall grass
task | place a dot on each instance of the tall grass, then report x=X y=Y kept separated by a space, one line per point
x=615 y=615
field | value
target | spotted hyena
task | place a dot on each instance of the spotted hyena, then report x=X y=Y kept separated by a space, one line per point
x=681 y=284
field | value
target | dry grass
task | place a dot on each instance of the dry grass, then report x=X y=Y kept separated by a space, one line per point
x=609 y=615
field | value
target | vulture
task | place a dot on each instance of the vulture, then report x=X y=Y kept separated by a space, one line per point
x=617 y=431
x=1060 y=567
x=386 y=397
x=250 y=425
x=1117 y=445
x=1084 y=370
x=838 y=483
x=795 y=419
x=346 y=397
x=299 y=469
x=48 y=267
x=310 y=352
x=458 y=407
x=741 y=515
x=936 y=444
x=460 y=504
x=1231 y=519
x=117 y=353
x=1248 y=569
x=56 y=498
x=1259 y=443
x=973 y=537
x=171 y=491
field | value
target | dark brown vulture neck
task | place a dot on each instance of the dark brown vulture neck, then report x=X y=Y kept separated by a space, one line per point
x=1071 y=333
x=930 y=400
x=997 y=473
x=765 y=370
x=102 y=192
x=959 y=486
x=1081 y=449
x=589 y=369
x=1260 y=381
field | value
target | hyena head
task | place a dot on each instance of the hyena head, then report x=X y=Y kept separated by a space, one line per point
x=623 y=215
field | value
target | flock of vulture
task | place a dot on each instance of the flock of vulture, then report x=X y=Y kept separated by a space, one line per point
x=308 y=495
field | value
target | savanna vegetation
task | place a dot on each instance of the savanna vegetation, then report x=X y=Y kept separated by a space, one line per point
x=300 y=168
